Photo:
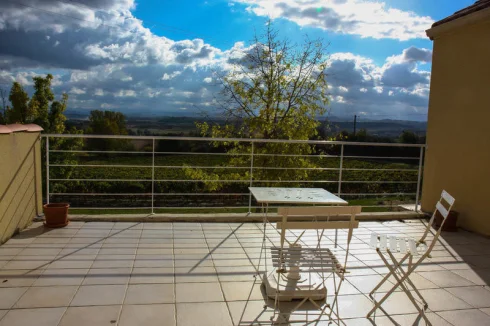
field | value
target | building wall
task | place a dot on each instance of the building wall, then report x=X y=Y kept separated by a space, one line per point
x=20 y=181
x=458 y=131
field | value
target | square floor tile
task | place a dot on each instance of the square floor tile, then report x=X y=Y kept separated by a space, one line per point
x=107 y=276
x=476 y=296
x=204 y=313
x=114 y=261
x=18 y=278
x=47 y=297
x=466 y=317
x=28 y=317
x=198 y=292
x=248 y=313
x=148 y=315
x=93 y=316
x=150 y=293
x=50 y=277
x=486 y=310
x=476 y=276
x=94 y=295
x=154 y=261
x=440 y=299
x=445 y=278
x=407 y=319
x=236 y=274
x=152 y=275
x=397 y=303
x=352 y=306
x=9 y=296
x=366 y=283
x=195 y=275
x=73 y=261
x=235 y=291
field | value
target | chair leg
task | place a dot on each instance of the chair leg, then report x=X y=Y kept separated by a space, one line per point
x=404 y=288
x=409 y=281
x=387 y=275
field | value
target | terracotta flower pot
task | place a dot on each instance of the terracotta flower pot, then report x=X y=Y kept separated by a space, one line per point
x=451 y=222
x=56 y=215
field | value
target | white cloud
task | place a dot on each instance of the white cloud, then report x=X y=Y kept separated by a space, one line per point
x=125 y=93
x=77 y=91
x=131 y=69
x=358 y=17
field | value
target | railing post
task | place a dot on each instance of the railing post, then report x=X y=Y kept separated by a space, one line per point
x=419 y=177
x=339 y=191
x=47 y=170
x=153 y=178
x=251 y=178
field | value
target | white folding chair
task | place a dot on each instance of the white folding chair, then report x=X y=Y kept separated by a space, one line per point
x=300 y=272
x=387 y=245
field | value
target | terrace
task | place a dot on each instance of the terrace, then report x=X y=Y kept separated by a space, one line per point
x=139 y=257
x=130 y=273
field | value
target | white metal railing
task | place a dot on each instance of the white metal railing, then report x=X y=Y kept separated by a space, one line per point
x=418 y=162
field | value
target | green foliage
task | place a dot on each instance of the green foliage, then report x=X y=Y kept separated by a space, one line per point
x=107 y=123
x=409 y=137
x=20 y=112
x=40 y=101
x=276 y=91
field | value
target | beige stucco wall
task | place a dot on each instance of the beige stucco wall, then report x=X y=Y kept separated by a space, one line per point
x=20 y=181
x=458 y=134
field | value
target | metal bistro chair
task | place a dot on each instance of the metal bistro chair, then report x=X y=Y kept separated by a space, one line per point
x=387 y=245
x=300 y=272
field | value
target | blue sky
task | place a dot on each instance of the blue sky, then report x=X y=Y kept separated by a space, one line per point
x=160 y=57
x=230 y=24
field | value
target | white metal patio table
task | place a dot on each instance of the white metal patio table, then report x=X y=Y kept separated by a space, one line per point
x=296 y=196
x=303 y=286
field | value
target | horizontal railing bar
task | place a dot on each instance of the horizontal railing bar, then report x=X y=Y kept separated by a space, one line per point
x=380 y=194
x=101 y=165
x=147 y=194
x=212 y=194
x=110 y=152
x=297 y=155
x=278 y=181
x=218 y=167
x=204 y=153
x=238 y=154
x=106 y=180
x=358 y=169
x=188 y=166
x=246 y=140
x=384 y=157
x=206 y=207
x=389 y=181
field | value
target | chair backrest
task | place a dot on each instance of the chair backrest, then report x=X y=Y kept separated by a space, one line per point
x=443 y=210
x=319 y=211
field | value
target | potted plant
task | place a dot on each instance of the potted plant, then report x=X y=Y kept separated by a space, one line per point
x=56 y=215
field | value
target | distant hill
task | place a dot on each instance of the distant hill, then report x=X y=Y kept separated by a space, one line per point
x=170 y=123
x=384 y=128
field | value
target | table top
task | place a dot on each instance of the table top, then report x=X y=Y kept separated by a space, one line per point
x=274 y=195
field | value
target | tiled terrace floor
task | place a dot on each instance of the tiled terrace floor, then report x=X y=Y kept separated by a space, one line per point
x=202 y=274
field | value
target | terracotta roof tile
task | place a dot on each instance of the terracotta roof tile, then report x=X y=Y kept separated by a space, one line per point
x=17 y=127
x=5 y=130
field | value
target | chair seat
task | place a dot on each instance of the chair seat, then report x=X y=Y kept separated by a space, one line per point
x=306 y=259
x=394 y=244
